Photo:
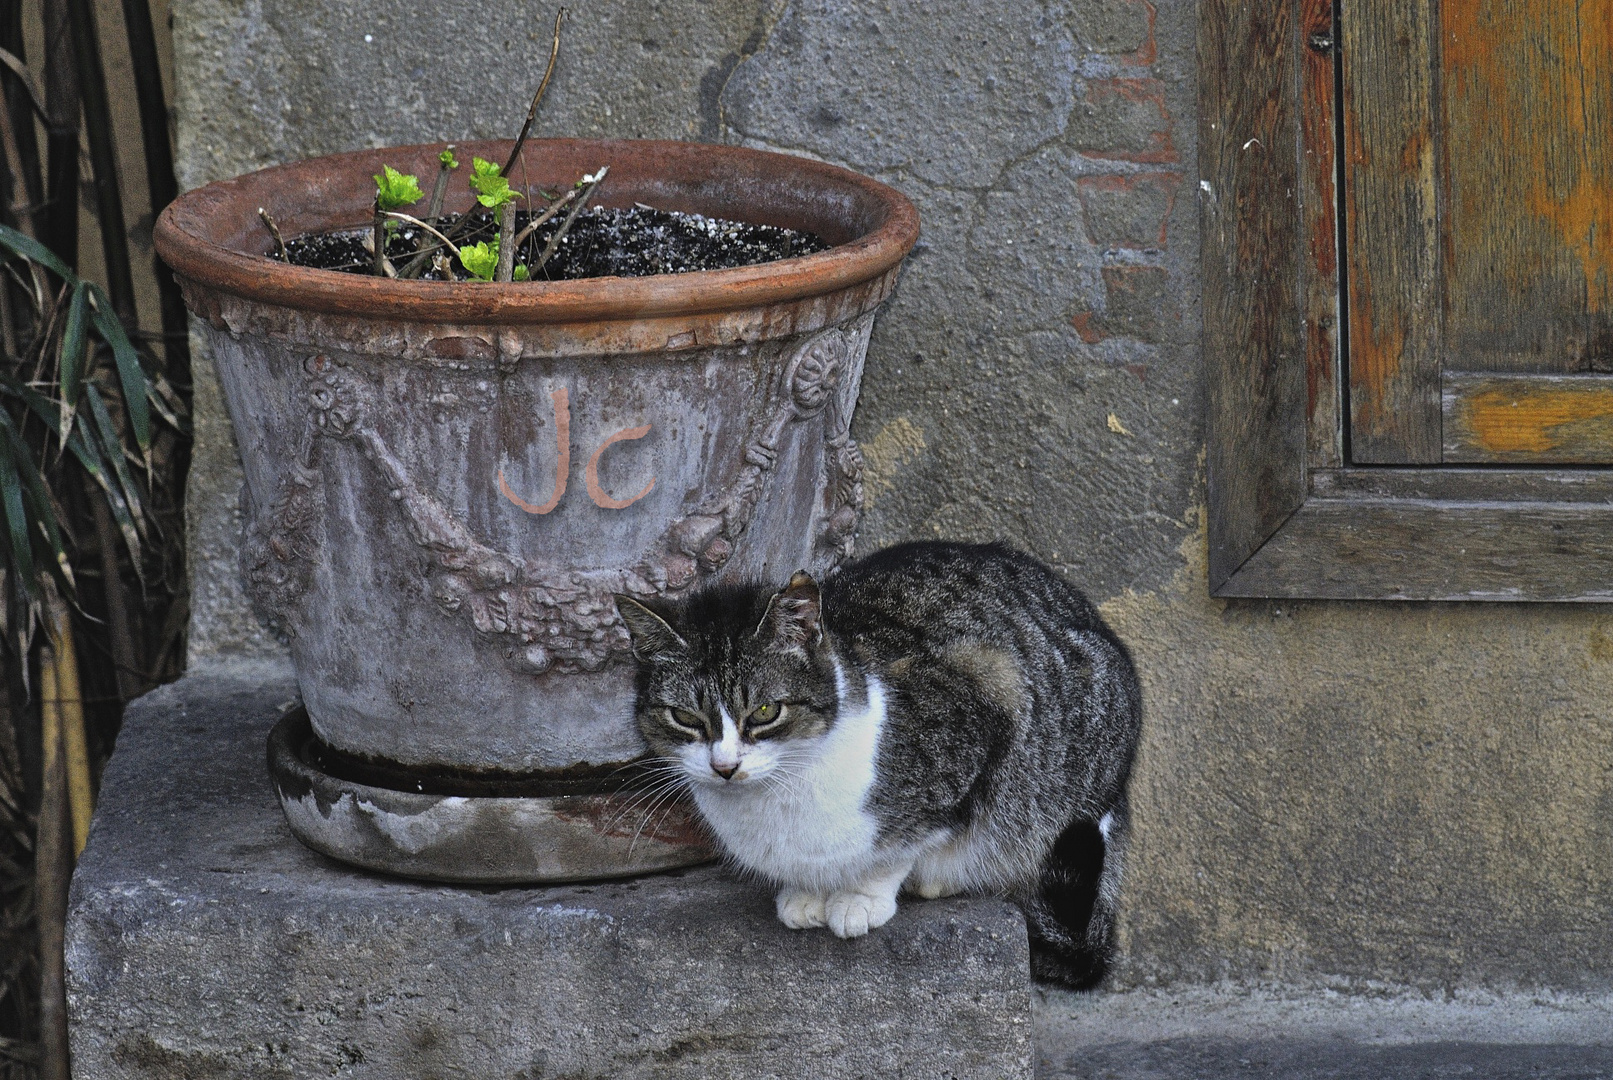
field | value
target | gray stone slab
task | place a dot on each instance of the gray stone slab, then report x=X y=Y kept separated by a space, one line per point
x=1348 y=1032
x=1336 y=1059
x=203 y=940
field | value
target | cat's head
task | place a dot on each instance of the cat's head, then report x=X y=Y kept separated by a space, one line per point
x=734 y=681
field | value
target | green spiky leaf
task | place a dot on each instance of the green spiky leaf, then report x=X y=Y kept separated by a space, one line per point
x=394 y=189
x=480 y=259
x=25 y=246
x=39 y=506
x=112 y=447
x=70 y=366
x=130 y=374
x=89 y=456
x=22 y=552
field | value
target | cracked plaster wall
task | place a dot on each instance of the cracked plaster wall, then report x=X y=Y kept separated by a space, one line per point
x=1350 y=794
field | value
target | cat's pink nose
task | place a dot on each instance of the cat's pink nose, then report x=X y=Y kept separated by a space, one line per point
x=725 y=771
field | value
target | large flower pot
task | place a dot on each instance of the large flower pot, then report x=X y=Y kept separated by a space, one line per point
x=447 y=481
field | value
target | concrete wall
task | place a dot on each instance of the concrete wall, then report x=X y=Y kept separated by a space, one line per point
x=1350 y=794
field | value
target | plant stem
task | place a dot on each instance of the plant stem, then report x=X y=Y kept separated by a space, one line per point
x=439 y=191
x=161 y=181
x=439 y=188
x=125 y=661
x=538 y=222
x=17 y=107
x=274 y=231
x=378 y=235
x=532 y=112
x=565 y=226
x=8 y=320
x=506 y=243
x=53 y=869
x=70 y=713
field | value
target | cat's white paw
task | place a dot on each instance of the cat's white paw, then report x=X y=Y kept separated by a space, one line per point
x=933 y=889
x=800 y=910
x=853 y=914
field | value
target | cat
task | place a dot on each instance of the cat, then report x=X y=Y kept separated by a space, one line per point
x=935 y=717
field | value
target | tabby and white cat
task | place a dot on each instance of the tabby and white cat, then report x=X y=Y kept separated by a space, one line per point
x=937 y=717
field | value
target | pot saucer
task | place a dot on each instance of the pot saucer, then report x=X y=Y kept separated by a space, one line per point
x=548 y=831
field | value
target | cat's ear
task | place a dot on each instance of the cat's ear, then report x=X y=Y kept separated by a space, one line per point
x=652 y=638
x=794 y=619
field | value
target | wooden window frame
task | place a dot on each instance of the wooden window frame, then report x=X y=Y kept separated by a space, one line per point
x=1289 y=516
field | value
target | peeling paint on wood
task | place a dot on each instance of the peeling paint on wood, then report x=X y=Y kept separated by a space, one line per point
x=1528 y=169
x=1478 y=203
x=1562 y=419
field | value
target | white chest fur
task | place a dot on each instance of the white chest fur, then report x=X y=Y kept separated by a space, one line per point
x=806 y=823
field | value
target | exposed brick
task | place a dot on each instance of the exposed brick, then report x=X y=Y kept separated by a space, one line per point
x=1089 y=326
x=1131 y=210
x=1123 y=119
x=1116 y=27
x=1137 y=300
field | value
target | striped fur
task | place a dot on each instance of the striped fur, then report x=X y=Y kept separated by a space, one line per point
x=936 y=718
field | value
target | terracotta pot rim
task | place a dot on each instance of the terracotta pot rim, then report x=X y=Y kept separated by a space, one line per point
x=194 y=234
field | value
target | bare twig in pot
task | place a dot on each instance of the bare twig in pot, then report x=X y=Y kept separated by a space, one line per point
x=532 y=112
x=439 y=191
x=274 y=231
x=591 y=182
x=543 y=219
x=506 y=243
x=464 y=223
x=375 y=244
x=439 y=187
x=412 y=220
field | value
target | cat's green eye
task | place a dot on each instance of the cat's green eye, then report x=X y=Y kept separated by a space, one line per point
x=766 y=714
x=687 y=720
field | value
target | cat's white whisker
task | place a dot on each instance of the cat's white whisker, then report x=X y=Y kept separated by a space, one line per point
x=643 y=796
x=631 y=844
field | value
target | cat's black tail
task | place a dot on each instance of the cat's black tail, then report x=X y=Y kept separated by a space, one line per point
x=1071 y=914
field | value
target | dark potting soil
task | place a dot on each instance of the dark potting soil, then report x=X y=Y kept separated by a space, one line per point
x=601 y=242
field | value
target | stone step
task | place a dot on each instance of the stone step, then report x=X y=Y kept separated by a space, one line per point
x=204 y=940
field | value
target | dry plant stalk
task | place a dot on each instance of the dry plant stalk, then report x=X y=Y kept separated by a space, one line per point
x=592 y=182
x=69 y=704
x=274 y=231
x=53 y=869
x=532 y=112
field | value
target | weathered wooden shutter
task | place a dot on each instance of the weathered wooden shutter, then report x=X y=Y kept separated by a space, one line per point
x=1478 y=224
x=1408 y=297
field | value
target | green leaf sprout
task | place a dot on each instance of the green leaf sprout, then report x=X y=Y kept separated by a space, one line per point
x=394 y=189
x=446 y=158
x=480 y=259
x=491 y=187
x=521 y=273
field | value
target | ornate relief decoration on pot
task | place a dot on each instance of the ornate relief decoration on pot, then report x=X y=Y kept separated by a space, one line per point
x=549 y=618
